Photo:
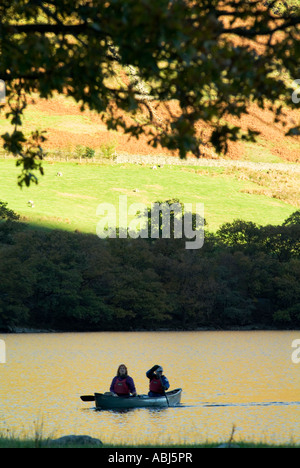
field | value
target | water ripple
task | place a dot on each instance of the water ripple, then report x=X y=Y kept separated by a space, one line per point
x=263 y=403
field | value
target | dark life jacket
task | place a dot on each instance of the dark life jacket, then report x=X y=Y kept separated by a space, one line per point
x=121 y=387
x=156 y=386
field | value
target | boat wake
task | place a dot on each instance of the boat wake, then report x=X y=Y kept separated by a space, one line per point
x=263 y=403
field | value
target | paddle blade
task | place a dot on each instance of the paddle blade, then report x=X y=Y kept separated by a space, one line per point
x=87 y=397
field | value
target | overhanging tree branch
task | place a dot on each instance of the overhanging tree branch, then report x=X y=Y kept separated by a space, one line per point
x=194 y=53
x=45 y=28
x=250 y=33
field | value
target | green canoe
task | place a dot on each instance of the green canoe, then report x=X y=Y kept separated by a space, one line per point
x=108 y=401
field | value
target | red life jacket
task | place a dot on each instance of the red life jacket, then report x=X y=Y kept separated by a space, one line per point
x=156 y=386
x=121 y=387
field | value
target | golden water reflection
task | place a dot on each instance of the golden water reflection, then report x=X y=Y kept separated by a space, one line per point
x=246 y=379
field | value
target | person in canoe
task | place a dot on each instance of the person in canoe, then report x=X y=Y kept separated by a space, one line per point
x=122 y=384
x=158 y=382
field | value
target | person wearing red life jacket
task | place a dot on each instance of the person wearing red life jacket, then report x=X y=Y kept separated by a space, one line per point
x=122 y=384
x=158 y=382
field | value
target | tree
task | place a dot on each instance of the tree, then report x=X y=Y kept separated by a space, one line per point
x=9 y=223
x=239 y=234
x=282 y=241
x=203 y=55
x=7 y=213
x=292 y=220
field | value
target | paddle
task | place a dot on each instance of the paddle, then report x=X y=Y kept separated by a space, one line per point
x=164 y=390
x=166 y=398
x=88 y=397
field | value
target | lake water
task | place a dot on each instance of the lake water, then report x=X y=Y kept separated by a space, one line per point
x=240 y=378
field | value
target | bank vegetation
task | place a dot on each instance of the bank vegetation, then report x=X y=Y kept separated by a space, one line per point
x=245 y=275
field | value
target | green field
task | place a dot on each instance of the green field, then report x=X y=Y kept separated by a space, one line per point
x=70 y=202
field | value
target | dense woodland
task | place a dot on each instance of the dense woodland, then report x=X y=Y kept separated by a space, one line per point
x=244 y=275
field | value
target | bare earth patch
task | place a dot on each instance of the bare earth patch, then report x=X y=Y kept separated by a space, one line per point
x=94 y=133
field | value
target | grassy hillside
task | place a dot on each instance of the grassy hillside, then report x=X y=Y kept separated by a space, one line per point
x=70 y=202
x=67 y=127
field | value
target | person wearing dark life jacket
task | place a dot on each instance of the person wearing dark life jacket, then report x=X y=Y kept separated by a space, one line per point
x=158 y=382
x=122 y=384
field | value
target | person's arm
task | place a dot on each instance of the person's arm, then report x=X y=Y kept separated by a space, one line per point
x=112 y=385
x=151 y=371
x=165 y=382
x=131 y=385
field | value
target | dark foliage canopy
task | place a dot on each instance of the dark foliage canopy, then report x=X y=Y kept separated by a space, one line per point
x=211 y=57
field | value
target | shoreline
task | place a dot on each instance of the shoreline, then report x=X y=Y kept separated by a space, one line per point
x=44 y=442
x=254 y=327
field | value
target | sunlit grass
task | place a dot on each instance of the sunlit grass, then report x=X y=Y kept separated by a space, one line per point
x=37 y=438
x=70 y=202
x=9 y=442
